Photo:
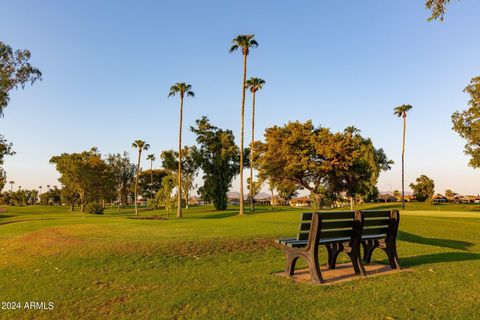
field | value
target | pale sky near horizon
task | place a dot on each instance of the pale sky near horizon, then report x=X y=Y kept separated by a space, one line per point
x=108 y=65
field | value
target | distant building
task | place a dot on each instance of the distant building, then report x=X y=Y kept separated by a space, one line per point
x=469 y=199
x=438 y=198
x=301 y=202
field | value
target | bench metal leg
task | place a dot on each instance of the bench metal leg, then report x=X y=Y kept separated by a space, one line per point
x=333 y=250
x=290 y=266
x=391 y=252
x=357 y=262
x=314 y=266
x=368 y=247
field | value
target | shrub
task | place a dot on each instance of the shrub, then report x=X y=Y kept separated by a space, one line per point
x=93 y=208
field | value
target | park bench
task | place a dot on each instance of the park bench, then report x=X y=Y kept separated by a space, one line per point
x=338 y=231
x=342 y=232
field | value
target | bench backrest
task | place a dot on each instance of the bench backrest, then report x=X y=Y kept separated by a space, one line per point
x=380 y=222
x=330 y=224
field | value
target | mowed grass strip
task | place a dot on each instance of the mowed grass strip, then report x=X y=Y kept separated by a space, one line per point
x=216 y=265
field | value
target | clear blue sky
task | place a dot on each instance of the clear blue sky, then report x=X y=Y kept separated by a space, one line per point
x=108 y=66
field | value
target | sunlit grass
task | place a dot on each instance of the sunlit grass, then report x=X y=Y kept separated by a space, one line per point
x=217 y=265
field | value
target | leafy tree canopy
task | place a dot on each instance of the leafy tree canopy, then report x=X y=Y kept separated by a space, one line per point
x=15 y=71
x=437 y=7
x=87 y=174
x=190 y=167
x=5 y=149
x=145 y=187
x=467 y=123
x=124 y=172
x=317 y=159
x=219 y=158
x=423 y=189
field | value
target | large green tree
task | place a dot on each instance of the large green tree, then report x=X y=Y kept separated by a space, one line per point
x=318 y=160
x=141 y=146
x=423 y=189
x=15 y=72
x=150 y=181
x=190 y=167
x=218 y=157
x=361 y=165
x=253 y=84
x=401 y=112
x=467 y=123
x=243 y=42
x=87 y=174
x=124 y=171
x=182 y=89
x=164 y=195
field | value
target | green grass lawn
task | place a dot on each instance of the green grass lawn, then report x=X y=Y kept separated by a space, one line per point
x=217 y=265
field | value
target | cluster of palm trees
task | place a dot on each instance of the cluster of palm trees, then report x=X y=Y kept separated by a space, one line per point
x=183 y=89
x=245 y=43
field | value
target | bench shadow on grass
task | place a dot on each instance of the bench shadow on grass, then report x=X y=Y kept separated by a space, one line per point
x=444 y=243
x=438 y=258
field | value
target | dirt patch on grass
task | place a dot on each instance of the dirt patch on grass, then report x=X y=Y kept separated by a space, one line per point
x=191 y=248
x=45 y=242
x=68 y=241
x=215 y=246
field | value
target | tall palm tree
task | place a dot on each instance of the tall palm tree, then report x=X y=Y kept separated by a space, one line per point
x=182 y=89
x=245 y=42
x=401 y=112
x=11 y=185
x=152 y=158
x=254 y=84
x=140 y=145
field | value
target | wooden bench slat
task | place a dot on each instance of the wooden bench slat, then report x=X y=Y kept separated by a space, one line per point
x=332 y=224
x=373 y=236
x=302 y=235
x=337 y=215
x=376 y=222
x=306 y=216
x=305 y=226
x=376 y=214
x=335 y=233
x=375 y=231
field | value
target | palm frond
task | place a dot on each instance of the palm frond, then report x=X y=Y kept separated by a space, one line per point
x=190 y=94
x=233 y=48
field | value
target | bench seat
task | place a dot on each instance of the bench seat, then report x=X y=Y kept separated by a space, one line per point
x=294 y=243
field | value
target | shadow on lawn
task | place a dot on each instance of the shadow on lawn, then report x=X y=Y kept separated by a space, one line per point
x=438 y=258
x=4 y=216
x=232 y=213
x=445 y=243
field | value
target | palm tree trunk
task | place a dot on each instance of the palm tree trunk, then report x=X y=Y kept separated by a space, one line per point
x=136 y=182
x=151 y=177
x=403 y=160
x=179 y=175
x=242 y=116
x=252 y=208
